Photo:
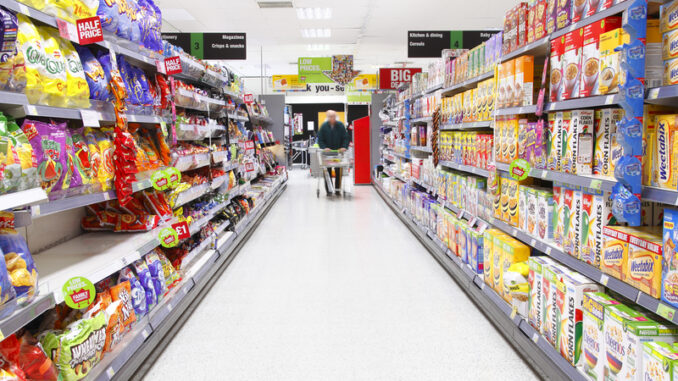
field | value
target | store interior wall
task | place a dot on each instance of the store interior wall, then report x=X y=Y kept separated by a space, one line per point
x=375 y=128
x=310 y=112
x=275 y=104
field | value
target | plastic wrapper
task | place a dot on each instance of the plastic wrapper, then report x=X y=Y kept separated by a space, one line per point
x=72 y=173
x=20 y=265
x=48 y=144
x=115 y=327
x=29 y=45
x=79 y=348
x=34 y=362
x=53 y=73
x=131 y=223
x=105 y=147
x=123 y=292
x=94 y=75
x=157 y=273
x=10 y=163
x=137 y=291
x=133 y=87
x=144 y=275
x=10 y=348
x=8 y=50
x=144 y=96
x=7 y=291
x=24 y=151
x=77 y=91
x=82 y=157
x=108 y=13
x=94 y=154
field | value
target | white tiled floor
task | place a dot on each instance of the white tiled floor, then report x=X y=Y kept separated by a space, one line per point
x=336 y=290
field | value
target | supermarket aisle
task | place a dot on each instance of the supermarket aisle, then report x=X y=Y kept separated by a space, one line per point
x=336 y=290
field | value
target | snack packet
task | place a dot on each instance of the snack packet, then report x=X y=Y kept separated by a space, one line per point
x=29 y=170
x=8 y=51
x=20 y=265
x=34 y=362
x=53 y=73
x=108 y=13
x=29 y=45
x=82 y=158
x=115 y=326
x=10 y=348
x=169 y=273
x=147 y=281
x=157 y=274
x=94 y=75
x=137 y=291
x=48 y=142
x=72 y=179
x=123 y=292
x=77 y=90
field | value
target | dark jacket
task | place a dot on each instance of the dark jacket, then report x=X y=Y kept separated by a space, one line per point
x=333 y=137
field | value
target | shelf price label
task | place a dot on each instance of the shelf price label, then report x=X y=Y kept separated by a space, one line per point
x=665 y=311
x=248 y=98
x=173 y=65
x=182 y=230
x=168 y=237
x=78 y=292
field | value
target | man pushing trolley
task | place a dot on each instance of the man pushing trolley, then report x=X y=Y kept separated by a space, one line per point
x=333 y=141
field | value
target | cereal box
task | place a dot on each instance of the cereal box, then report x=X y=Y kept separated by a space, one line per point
x=497 y=261
x=666 y=172
x=531 y=208
x=582 y=142
x=670 y=254
x=596 y=209
x=509 y=79
x=514 y=252
x=602 y=5
x=545 y=204
x=567 y=212
x=670 y=72
x=535 y=299
x=626 y=330
x=476 y=261
x=609 y=61
x=615 y=250
x=643 y=268
x=513 y=195
x=530 y=23
x=555 y=141
x=668 y=17
x=670 y=45
x=551 y=16
x=563 y=14
x=569 y=302
x=512 y=139
x=540 y=19
x=593 y=341
x=558 y=214
x=590 y=65
x=569 y=142
x=571 y=64
x=579 y=10
x=556 y=75
x=523 y=210
x=522 y=139
x=523 y=82
x=552 y=276
x=606 y=127
x=488 y=251
x=660 y=361
x=574 y=232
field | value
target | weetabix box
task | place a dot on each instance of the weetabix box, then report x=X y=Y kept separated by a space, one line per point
x=644 y=266
x=593 y=335
x=666 y=164
x=615 y=250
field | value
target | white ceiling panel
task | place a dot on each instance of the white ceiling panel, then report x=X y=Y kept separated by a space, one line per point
x=375 y=31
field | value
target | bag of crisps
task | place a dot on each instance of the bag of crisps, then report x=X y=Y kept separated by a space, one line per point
x=10 y=164
x=75 y=180
x=106 y=171
x=7 y=292
x=29 y=44
x=108 y=13
x=115 y=327
x=123 y=292
x=146 y=280
x=95 y=155
x=34 y=362
x=20 y=265
x=94 y=74
x=82 y=157
x=77 y=91
x=8 y=28
x=62 y=9
x=29 y=168
x=54 y=81
x=138 y=292
x=157 y=274
x=49 y=144
x=76 y=350
x=37 y=4
x=83 y=9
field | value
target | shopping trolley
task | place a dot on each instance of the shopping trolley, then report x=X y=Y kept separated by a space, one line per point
x=300 y=150
x=336 y=159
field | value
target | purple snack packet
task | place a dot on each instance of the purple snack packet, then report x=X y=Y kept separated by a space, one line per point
x=49 y=147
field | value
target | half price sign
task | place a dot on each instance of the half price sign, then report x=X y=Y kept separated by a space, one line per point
x=89 y=30
x=173 y=65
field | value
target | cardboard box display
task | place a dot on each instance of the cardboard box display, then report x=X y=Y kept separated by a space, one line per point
x=531 y=12
x=545 y=207
x=514 y=251
x=535 y=312
x=660 y=361
x=590 y=63
x=644 y=265
x=571 y=63
x=488 y=242
x=593 y=335
x=531 y=209
x=509 y=79
x=670 y=45
x=610 y=70
x=670 y=72
x=606 y=128
x=666 y=160
x=569 y=303
x=563 y=14
x=551 y=16
x=556 y=74
x=524 y=81
x=615 y=250
x=567 y=211
x=670 y=257
x=523 y=210
x=668 y=16
x=552 y=276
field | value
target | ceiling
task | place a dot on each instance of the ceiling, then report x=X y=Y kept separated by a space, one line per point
x=374 y=31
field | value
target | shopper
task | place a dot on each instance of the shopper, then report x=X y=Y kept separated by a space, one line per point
x=333 y=136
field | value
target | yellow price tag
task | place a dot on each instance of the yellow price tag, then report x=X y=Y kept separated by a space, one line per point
x=514 y=312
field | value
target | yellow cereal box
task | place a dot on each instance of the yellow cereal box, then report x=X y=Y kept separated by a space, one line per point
x=497 y=261
x=643 y=268
x=615 y=250
x=488 y=242
x=512 y=139
x=514 y=252
x=666 y=171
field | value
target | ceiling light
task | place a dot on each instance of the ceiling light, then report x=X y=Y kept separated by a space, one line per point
x=275 y=4
x=316 y=33
x=317 y=47
x=314 y=13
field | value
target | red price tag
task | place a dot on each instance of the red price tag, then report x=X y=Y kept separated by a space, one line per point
x=248 y=98
x=89 y=30
x=173 y=65
x=249 y=145
x=249 y=167
x=182 y=229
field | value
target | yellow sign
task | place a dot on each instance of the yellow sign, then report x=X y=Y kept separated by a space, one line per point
x=365 y=82
x=322 y=117
x=286 y=82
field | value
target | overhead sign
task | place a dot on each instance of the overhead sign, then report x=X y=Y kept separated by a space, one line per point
x=358 y=97
x=342 y=69
x=393 y=78
x=430 y=44
x=211 y=46
x=364 y=82
x=319 y=89
x=287 y=83
x=311 y=69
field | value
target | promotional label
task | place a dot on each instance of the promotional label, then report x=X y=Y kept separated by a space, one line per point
x=182 y=230
x=520 y=169
x=248 y=98
x=168 y=237
x=173 y=176
x=78 y=292
x=172 y=65
x=249 y=167
x=249 y=145
x=392 y=79
x=89 y=30
x=159 y=180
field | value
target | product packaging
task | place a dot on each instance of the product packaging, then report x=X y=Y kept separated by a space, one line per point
x=571 y=63
x=590 y=65
x=593 y=337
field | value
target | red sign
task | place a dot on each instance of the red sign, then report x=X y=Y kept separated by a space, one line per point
x=182 y=229
x=393 y=78
x=248 y=98
x=173 y=65
x=249 y=167
x=249 y=145
x=89 y=30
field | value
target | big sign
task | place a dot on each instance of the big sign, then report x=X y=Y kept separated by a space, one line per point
x=392 y=78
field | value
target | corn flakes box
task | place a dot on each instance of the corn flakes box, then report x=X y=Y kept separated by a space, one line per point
x=626 y=331
x=643 y=268
x=606 y=127
x=569 y=143
x=569 y=302
x=552 y=277
x=567 y=212
x=660 y=361
x=555 y=142
x=544 y=214
x=670 y=258
x=535 y=312
x=597 y=211
x=593 y=340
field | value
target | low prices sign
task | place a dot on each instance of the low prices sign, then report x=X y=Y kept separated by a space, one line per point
x=89 y=30
x=78 y=292
x=393 y=78
x=172 y=65
x=248 y=98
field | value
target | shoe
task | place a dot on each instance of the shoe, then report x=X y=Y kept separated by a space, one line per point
x=337 y=192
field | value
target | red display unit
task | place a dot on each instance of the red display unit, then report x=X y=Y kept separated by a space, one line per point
x=361 y=147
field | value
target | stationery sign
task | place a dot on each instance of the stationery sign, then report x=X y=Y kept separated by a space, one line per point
x=89 y=30
x=431 y=43
x=172 y=65
x=393 y=78
x=248 y=98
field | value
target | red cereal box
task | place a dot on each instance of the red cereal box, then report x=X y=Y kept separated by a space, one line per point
x=521 y=19
x=540 y=19
x=530 y=23
x=571 y=63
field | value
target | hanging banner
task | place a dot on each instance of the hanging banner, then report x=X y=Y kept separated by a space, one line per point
x=286 y=83
x=393 y=78
x=430 y=43
x=364 y=82
x=358 y=97
x=342 y=69
x=311 y=69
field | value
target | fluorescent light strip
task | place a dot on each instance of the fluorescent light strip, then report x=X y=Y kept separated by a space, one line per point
x=316 y=33
x=314 y=13
x=317 y=47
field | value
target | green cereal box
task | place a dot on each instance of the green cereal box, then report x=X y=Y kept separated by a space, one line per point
x=535 y=312
x=569 y=303
x=593 y=341
x=659 y=361
x=625 y=332
x=552 y=276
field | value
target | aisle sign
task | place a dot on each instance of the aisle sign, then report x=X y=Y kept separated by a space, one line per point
x=430 y=44
x=89 y=30
x=182 y=230
x=211 y=46
x=248 y=98
x=173 y=65
x=393 y=78
x=78 y=292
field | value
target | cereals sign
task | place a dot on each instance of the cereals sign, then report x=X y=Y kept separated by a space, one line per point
x=393 y=78
x=89 y=30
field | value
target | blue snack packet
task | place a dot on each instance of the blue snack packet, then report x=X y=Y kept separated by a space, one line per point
x=108 y=13
x=19 y=264
x=94 y=74
x=147 y=282
x=138 y=292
